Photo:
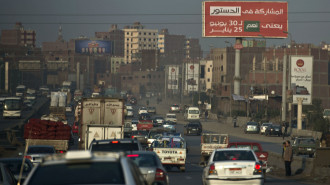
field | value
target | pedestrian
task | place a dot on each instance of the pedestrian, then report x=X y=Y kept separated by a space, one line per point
x=206 y=115
x=287 y=156
x=283 y=149
x=234 y=121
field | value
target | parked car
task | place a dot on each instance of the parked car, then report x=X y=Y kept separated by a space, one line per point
x=150 y=167
x=6 y=176
x=193 y=128
x=158 y=121
x=15 y=164
x=141 y=135
x=233 y=165
x=115 y=145
x=171 y=117
x=273 y=130
x=251 y=127
x=263 y=127
x=85 y=167
x=175 y=108
x=304 y=146
x=37 y=152
x=152 y=110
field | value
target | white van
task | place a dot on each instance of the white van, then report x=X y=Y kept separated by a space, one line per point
x=191 y=113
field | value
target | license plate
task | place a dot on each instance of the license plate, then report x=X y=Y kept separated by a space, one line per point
x=309 y=149
x=235 y=171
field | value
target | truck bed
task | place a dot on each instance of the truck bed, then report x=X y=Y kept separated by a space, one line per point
x=58 y=144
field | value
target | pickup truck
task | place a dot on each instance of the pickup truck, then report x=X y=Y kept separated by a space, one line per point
x=172 y=151
x=256 y=147
x=210 y=142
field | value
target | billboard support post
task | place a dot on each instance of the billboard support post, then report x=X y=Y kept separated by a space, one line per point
x=299 y=113
x=237 y=77
x=284 y=87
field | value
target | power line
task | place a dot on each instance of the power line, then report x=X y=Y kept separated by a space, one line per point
x=134 y=14
x=150 y=23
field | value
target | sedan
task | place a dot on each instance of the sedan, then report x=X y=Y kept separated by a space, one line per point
x=152 y=110
x=273 y=130
x=150 y=167
x=141 y=135
x=143 y=110
x=264 y=127
x=194 y=128
x=158 y=121
x=37 y=152
x=233 y=166
x=251 y=127
x=15 y=165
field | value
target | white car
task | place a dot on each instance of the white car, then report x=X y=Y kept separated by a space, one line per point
x=143 y=110
x=171 y=117
x=233 y=166
x=263 y=127
x=130 y=113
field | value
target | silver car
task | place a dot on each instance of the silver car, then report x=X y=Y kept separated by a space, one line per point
x=85 y=167
x=37 y=152
x=150 y=167
x=251 y=127
x=263 y=127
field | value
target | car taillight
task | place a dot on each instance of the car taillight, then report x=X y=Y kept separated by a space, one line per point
x=60 y=151
x=160 y=175
x=132 y=137
x=257 y=169
x=212 y=170
x=28 y=157
x=114 y=142
x=133 y=155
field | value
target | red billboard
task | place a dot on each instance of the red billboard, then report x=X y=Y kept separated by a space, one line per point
x=266 y=19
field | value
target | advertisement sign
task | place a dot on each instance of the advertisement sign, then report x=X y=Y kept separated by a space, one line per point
x=93 y=46
x=191 y=77
x=266 y=19
x=301 y=78
x=173 y=77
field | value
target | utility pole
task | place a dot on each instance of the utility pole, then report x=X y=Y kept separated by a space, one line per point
x=284 y=88
x=237 y=77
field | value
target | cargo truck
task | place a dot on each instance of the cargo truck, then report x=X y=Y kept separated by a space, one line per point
x=101 y=118
x=46 y=132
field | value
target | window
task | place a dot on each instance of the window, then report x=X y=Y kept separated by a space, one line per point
x=222 y=79
x=144 y=33
x=149 y=33
x=221 y=68
x=208 y=80
x=208 y=69
x=225 y=88
x=124 y=78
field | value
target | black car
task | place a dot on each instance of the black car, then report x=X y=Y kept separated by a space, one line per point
x=193 y=128
x=158 y=121
x=273 y=130
x=15 y=164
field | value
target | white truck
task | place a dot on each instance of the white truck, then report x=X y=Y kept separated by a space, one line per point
x=101 y=118
x=172 y=151
x=210 y=142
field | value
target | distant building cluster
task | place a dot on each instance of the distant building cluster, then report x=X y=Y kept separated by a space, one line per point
x=141 y=60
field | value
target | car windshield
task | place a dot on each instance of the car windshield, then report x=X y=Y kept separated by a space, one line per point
x=234 y=155
x=254 y=147
x=266 y=124
x=193 y=111
x=175 y=106
x=40 y=150
x=169 y=143
x=193 y=125
x=143 y=160
x=79 y=173
x=252 y=123
x=114 y=147
x=171 y=116
x=305 y=141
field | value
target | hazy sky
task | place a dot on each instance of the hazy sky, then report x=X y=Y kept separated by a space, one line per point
x=309 y=20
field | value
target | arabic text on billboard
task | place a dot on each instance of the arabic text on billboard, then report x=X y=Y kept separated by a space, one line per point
x=301 y=78
x=173 y=77
x=245 y=19
x=93 y=46
x=191 y=77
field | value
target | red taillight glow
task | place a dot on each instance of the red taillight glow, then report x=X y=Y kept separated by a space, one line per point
x=133 y=155
x=60 y=151
x=132 y=137
x=114 y=142
x=160 y=175
x=257 y=167
x=28 y=157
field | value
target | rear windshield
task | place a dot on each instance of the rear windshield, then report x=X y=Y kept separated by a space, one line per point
x=144 y=160
x=254 y=147
x=171 y=116
x=153 y=135
x=234 y=155
x=114 y=147
x=215 y=139
x=79 y=173
x=40 y=150
x=193 y=111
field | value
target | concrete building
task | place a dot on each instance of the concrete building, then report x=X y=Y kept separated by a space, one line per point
x=116 y=62
x=137 y=38
x=117 y=37
x=193 y=49
x=206 y=75
x=18 y=36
